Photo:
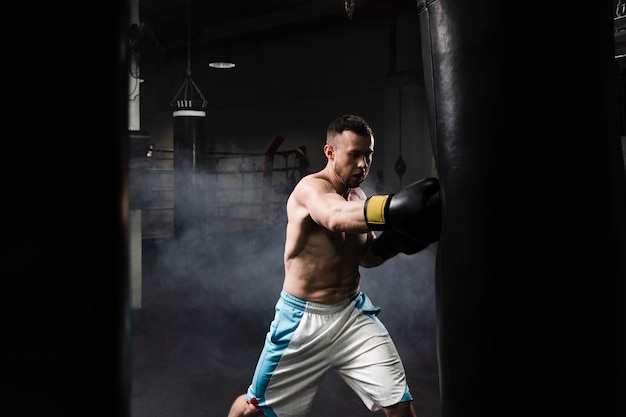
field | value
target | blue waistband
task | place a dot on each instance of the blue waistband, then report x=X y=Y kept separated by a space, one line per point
x=359 y=300
x=311 y=307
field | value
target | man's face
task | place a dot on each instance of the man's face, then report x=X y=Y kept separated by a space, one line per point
x=353 y=158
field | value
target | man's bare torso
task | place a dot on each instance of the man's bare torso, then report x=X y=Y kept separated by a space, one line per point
x=320 y=265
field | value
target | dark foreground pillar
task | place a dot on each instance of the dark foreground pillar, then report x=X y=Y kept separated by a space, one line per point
x=531 y=262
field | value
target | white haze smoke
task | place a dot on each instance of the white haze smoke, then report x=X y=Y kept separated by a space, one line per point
x=228 y=278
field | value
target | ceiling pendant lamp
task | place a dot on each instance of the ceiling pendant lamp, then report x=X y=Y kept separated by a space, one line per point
x=221 y=58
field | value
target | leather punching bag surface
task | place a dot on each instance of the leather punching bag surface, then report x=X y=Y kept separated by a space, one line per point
x=189 y=164
x=531 y=260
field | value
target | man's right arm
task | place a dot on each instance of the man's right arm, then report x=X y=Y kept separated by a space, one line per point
x=329 y=209
x=415 y=210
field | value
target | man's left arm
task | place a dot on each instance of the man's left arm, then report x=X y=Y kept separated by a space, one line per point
x=387 y=245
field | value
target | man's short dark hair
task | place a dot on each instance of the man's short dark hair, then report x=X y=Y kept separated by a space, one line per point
x=351 y=122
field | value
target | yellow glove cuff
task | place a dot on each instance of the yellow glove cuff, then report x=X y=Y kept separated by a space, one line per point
x=375 y=210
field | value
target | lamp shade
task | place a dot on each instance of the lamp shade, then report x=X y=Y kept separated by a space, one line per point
x=221 y=59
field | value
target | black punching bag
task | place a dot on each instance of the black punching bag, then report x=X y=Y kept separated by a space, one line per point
x=189 y=164
x=531 y=261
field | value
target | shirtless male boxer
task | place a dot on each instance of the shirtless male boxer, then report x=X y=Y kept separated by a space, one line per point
x=322 y=319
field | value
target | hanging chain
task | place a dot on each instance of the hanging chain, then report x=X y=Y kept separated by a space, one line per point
x=189 y=38
x=188 y=93
x=400 y=165
x=400 y=118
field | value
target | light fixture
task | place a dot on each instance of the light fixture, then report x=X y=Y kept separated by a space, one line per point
x=188 y=97
x=221 y=59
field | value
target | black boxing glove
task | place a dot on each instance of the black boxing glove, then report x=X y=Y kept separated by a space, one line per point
x=415 y=210
x=390 y=243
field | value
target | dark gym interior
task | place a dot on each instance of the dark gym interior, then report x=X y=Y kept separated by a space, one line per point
x=519 y=309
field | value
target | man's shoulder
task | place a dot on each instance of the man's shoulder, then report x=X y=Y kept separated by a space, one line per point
x=317 y=180
x=308 y=187
x=358 y=194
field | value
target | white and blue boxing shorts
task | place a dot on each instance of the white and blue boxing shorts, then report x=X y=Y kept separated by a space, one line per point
x=306 y=339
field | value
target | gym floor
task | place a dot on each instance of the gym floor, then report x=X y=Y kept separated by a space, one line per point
x=208 y=301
